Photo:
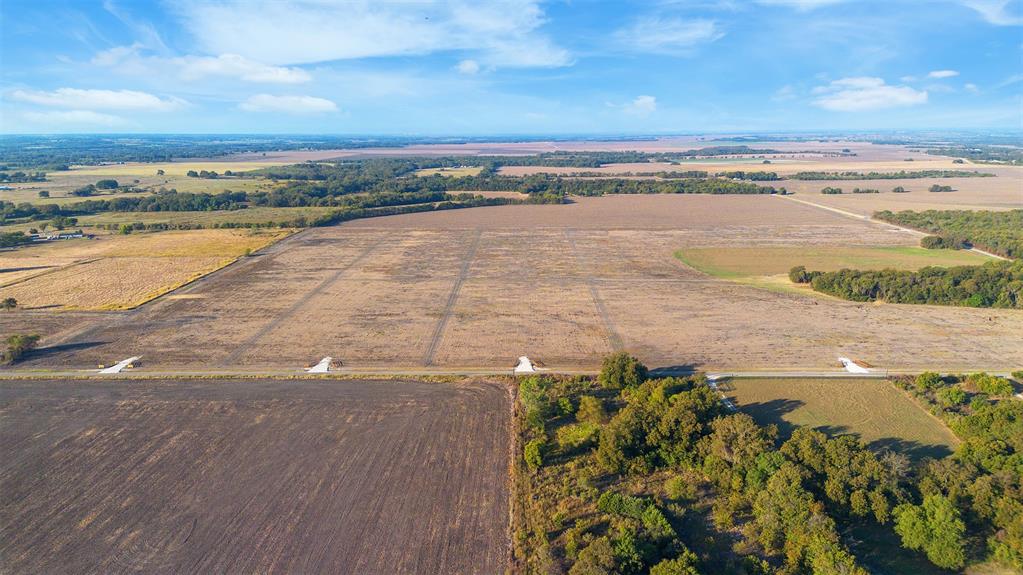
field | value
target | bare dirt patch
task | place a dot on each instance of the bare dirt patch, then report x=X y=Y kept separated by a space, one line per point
x=253 y=476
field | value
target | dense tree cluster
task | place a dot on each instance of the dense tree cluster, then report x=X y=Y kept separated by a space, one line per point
x=940 y=188
x=983 y=154
x=994 y=284
x=997 y=232
x=20 y=177
x=12 y=239
x=17 y=346
x=829 y=190
x=628 y=484
x=900 y=175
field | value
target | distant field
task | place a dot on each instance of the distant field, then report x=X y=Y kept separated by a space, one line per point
x=769 y=266
x=246 y=216
x=454 y=172
x=872 y=409
x=119 y=272
x=172 y=168
x=253 y=477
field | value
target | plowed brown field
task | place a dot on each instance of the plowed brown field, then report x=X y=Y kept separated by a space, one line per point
x=214 y=476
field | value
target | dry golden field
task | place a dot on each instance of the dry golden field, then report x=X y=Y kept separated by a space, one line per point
x=120 y=271
x=564 y=284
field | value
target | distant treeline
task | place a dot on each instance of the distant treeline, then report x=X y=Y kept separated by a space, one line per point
x=996 y=232
x=982 y=154
x=11 y=239
x=994 y=284
x=900 y=175
x=21 y=177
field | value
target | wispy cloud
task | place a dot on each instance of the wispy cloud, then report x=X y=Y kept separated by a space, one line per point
x=943 y=74
x=673 y=36
x=642 y=106
x=864 y=94
x=73 y=118
x=468 y=67
x=499 y=34
x=131 y=60
x=800 y=4
x=998 y=12
x=288 y=104
x=99 y=99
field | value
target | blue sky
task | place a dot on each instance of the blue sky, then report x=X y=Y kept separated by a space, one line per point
x=512 y=67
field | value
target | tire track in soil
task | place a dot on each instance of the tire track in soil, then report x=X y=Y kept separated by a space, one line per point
x=463 y=274
x=613 y=338
x=281 y=318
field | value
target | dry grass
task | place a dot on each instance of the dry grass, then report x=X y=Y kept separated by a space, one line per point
x=874 y=410
x=117 y=271
x=172 y=168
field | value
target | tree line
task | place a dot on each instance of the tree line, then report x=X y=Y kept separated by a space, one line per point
x=994 y=284
x=900 y=175
x=996 y=232
x=631 y=474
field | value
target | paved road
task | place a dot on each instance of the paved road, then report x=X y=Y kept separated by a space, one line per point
x=403 y=372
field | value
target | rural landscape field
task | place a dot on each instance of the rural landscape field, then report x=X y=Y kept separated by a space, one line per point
x=513 y=287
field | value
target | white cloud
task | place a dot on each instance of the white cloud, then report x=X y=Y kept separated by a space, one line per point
x=799 y=4
x=130 y=60
x=971 y=88
x=63 y=118
x=998 y=12
x=468 y=67
x=864 y=93
x=908 y=79
x=307 y=31
x=943 y=74
x=784 y=93
x=642 y=106
x=100 y=99
x=668 y=35
x=287 y=104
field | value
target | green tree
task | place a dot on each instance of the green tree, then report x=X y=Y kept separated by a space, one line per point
x=951 y=396
x=17 y=346
x=927 y=380
x=591 y=410
x=9 y=303
x=684 y=564
x=934 y=527
x=44 y=194
x=621 y=370
x=532 y=453
x=598 y=558
x=107 y=184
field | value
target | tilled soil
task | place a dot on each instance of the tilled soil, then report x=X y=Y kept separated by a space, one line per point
x=215 y=476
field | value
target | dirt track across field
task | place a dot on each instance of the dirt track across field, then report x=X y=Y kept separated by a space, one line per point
x=215 y=476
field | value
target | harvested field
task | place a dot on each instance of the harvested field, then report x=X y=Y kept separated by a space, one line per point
x=453 y=172
x=477 y=288
x=120 y=271
x=874 y=410
x=253 y=476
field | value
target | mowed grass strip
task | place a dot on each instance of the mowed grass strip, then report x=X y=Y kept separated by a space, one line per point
x=768 y=267
x=121 y=272
x=874 y=410
x=453 y=172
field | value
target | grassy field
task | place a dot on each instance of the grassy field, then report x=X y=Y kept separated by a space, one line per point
x=768 y=267
x=120 y=272
x=872 y=409
x=454 y=172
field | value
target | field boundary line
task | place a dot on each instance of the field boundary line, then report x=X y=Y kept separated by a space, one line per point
x=442 y=323
x=873 y=220
x=248 y=343
x=613 y=338
x=52 y=270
